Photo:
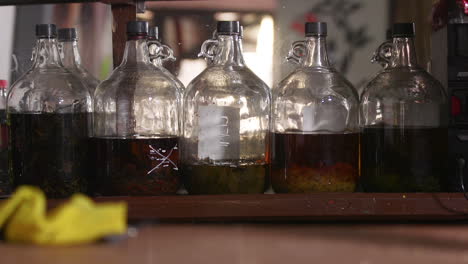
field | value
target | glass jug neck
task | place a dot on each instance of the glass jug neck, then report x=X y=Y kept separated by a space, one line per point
x=136 y=52
x=229 y=51
x=46 y=53
x=316 y=52
x=403 y=53
x=71 y=55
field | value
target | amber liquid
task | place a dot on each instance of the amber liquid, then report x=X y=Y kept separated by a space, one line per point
x=225 y=179
x=403 y=160
x=314 y=162
x=50 y=151
x=136 y=166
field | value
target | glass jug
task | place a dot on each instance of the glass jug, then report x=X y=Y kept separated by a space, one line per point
x=383 y=54
x=226 y=121
x=136 y=124
x=160 y=53
x=315 y=140
x=5 y=180
x=49 y=115
x=71 y=59
x=404 y=120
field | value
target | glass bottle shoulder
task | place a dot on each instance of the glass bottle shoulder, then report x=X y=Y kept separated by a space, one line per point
x=180 y=86
x=228 y=79
x=404 y=83
x=310 y=83
x=146 y=80
x=48 y=90
x=85 y=75
x=88 y=80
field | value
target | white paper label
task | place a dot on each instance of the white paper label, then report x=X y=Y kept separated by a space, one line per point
x=162 y=156
x=218 y=137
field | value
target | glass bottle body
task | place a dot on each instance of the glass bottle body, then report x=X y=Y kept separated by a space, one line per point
x=404 y=119
x=6 y=183
x=49 y=117
x=71 y=60
x=159 y=54
x=315 y=125
x=226 y=126
x=136 y=127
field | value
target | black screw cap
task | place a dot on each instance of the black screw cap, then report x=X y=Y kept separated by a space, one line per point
x=403 y=30
x=228 y=28
x=153 y=33
x=315 y=29
x=137 y=28
x=67 y=34
x=46 y=31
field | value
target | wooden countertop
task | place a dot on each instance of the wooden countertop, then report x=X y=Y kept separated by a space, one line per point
x=263 y=243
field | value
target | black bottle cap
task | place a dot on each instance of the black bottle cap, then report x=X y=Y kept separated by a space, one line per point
x=403 y=30
x=67 y=34
x=228 y=28
x=153 y=33
x=137 y=28
x=46 y=31
x=315 y=29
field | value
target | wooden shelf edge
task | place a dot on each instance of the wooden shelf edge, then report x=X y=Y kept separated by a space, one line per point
x=281 y=207
x=40 y=2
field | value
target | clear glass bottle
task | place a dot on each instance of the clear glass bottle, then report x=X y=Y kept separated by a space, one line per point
x=315 y=139
x=404 y=120
x=383 y=54
x=226 y=122
x=160 y=53
x=5 y=181
x=136 y=124
x=48 y=115
x=71 y=59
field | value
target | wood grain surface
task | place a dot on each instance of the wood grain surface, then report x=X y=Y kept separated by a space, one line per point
x=249 y=243
x=294 y=207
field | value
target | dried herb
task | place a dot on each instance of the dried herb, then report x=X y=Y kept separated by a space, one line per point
x=315 y=162
x=225 y=179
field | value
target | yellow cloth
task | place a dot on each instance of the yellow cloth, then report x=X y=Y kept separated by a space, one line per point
x=23 y=219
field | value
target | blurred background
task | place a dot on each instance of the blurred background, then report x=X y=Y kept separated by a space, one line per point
x=356 y=29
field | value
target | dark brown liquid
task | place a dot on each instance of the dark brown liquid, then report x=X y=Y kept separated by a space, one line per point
x=403 y=160
x=225 y=179
x=137 y=166
x=314 y=162
x=6 y=183
x=50 y=151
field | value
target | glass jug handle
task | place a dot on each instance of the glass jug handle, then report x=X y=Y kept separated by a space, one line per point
x=296 y=52
x=208 y=49
x=60 y=50
x=383 y=54
x=154 y=48
x=160 y=51
x=166 y=53
x=33 y=55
